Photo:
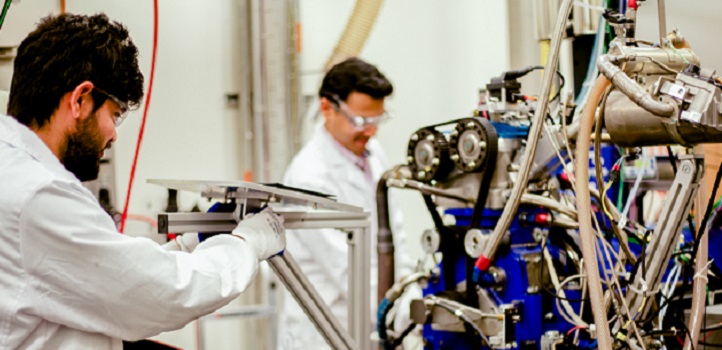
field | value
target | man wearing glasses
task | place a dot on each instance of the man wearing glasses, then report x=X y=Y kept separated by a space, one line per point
x=342 y=159
x=69 y=280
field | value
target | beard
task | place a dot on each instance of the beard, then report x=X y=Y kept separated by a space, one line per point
x=84 y=149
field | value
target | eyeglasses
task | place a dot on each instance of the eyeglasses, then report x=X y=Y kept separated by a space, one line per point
x=120 y=115
x=359 y=122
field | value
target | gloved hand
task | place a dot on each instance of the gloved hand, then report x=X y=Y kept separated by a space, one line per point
x=264 y=231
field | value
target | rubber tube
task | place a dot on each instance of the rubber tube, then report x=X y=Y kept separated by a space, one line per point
x=584 y=213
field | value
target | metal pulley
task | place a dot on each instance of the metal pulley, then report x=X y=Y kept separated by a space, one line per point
x=469 y=144
x=430 y=241
x=474 y=243
x=428 y=155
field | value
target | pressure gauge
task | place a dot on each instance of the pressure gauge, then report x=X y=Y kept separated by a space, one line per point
x=428 y=155
x=468 y=145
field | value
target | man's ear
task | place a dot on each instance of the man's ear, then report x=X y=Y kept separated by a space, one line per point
x=325 y=107
x=81 y=102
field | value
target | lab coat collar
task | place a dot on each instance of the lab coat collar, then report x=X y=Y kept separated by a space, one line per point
x=335 y=157
x=21 y=137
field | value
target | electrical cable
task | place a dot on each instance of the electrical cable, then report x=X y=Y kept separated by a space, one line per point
x=600 y=178
x=555 y=281
x=632 y=194
x=547 y=290
x=702 y=229
x=397 y=342
x=562 y=81
x=124 y=216
x=4 y=13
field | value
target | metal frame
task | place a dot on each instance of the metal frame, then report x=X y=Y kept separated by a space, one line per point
x=288 y=271
x=674 y=212
x=250 y=197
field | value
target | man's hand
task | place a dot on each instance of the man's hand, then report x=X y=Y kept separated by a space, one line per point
x=264 y=231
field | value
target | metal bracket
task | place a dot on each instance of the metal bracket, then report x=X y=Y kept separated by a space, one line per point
x=343 y=216
x=674 y=212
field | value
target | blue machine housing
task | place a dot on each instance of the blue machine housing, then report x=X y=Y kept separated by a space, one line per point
x=539 y=311
x=535 y=305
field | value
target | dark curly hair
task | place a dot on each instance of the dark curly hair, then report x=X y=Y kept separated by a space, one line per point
x=62 y=52
x=356 y=75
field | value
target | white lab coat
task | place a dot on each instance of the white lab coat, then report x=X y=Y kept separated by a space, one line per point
x=69 y=280
x=322 y=254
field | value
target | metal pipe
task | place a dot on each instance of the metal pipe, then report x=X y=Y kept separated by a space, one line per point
x=385 y=238
x=662 y=17
x=288 y=271
x=584 y=211
x=699 y=281
x=512 y=205
x=426 y=189
x=629 y=87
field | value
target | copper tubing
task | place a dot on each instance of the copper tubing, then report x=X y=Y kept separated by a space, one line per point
x=584 y=213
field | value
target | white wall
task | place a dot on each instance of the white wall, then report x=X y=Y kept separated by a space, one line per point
x=699 y=21
x=437 y=54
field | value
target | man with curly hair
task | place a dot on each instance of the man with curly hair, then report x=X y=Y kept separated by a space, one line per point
x=69 y=280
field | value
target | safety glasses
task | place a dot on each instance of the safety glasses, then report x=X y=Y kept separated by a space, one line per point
x=123 y=109
x=359 y=122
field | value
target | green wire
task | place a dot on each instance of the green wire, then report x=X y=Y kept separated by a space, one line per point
x=6 y=7
x=678 y=54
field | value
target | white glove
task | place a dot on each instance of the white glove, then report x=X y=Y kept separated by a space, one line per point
x=183 y=243
x=264 y=231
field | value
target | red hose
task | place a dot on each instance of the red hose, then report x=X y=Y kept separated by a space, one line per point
x=124 y=216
